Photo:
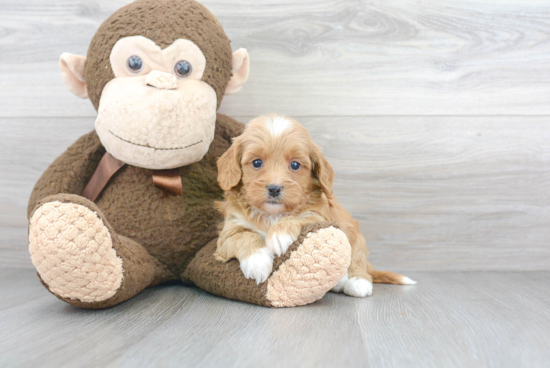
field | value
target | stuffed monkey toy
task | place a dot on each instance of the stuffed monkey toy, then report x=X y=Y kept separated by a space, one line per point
x=131 y=204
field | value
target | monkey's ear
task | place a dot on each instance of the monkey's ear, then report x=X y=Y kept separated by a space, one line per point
x=73 y=69
x=229 y=166
x=323 y=171
x=239 y=71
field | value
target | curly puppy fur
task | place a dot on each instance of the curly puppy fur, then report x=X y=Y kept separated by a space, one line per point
x=276 y=180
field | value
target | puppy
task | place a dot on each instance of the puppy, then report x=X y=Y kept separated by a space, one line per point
x=276 y=180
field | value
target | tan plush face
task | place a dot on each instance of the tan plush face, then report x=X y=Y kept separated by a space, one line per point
x=153 y=114
x=157 y=113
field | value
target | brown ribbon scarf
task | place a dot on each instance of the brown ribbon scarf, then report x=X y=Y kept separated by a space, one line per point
x=169 y=181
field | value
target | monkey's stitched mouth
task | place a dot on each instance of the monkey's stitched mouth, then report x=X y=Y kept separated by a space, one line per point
x=155 y=148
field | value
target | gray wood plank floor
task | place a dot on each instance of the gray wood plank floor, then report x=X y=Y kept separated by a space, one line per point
x=450 y=319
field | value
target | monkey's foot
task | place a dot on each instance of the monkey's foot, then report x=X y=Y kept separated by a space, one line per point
x=72 y=250
x=311 y=267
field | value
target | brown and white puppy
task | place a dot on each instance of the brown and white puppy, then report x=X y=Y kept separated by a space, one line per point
x=276 y=180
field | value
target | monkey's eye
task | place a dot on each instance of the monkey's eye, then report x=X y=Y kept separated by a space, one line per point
x=183 y=68
x=135 y=64
x=257 y=163
x=295 y=166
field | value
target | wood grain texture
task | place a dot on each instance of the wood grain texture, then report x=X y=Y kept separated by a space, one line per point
x=27 y=148
x=450 y=319
x=431 y=193
x=327 y=57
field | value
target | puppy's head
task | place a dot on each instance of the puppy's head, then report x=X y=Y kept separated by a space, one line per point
x=278 y=164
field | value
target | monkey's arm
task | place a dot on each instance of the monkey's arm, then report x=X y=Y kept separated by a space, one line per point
x=231 y=127
x=70 y=172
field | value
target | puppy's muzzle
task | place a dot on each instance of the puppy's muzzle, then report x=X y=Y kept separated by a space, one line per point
x=274 y=190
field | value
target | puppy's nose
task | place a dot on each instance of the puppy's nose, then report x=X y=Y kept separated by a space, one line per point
x=274 y=190
x=161 y=80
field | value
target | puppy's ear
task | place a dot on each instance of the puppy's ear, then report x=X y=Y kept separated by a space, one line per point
x=229 y=166
x=322 y=170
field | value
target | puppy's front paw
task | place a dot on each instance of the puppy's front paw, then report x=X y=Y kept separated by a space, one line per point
x=340 y=285
x=278 y=242
x=358 y=287
x=258 y=266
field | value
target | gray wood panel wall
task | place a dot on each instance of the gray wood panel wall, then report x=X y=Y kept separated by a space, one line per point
x=434 y=114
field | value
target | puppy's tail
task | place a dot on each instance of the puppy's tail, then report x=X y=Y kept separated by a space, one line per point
x=387 y=277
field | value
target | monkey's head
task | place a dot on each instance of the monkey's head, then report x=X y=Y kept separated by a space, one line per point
x=156 y=72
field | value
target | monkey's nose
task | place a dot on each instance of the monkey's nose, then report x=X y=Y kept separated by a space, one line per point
x=161 y=80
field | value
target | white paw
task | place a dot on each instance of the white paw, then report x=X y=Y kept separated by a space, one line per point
x=340 y=285
x=258 y=266
x=406 y=281
x=357 y=287
x=279 y=243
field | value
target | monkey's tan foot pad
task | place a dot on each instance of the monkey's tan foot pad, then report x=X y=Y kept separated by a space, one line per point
x=73 y=253
x=313 y=268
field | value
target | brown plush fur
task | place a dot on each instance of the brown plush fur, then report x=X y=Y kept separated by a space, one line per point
x=140 y=268
x=163 y=21
x=171 y=229
x=153 y=237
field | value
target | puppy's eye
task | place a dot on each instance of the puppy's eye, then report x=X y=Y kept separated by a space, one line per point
x=257 y=163
x=183 y=68
x=295 y=165
x=135 y=64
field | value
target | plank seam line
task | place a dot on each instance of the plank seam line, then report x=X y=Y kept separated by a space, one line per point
x=303 y=116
